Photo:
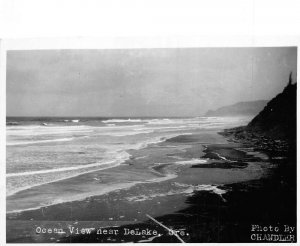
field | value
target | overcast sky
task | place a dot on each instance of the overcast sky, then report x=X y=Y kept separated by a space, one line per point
x=143 y=82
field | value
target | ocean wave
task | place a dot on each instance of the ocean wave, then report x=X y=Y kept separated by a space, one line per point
x=122 y=120
x=141 y=157
x=111 y=124
x=78 y=197
x=117 y=151
x=12 y=123
x=165 y=121
x=39 y=141
x=46 y=130
x=65 y=173
x=125 y=133
x=63 y=169
x=179 y=189
x=191 y=162
x=151 y=141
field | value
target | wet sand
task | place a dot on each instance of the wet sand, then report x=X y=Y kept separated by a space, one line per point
x=215 y=201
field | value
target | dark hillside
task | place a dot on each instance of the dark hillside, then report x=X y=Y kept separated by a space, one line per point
x=278 y=119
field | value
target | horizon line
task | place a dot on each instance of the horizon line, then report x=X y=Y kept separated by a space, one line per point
x=103 y=116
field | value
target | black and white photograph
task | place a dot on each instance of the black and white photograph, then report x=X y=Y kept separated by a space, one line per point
x=149 y=121
x=157 y=145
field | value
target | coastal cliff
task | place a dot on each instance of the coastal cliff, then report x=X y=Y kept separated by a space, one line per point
x=239 y=109
x=278 y=119
x=274 y=128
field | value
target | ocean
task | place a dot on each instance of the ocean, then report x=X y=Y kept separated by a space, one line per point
x=55 y=160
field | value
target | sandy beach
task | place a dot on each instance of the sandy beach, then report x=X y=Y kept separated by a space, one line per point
x=212 y=191
x=161 y=144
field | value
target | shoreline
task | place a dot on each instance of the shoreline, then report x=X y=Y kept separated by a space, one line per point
x=210 y=218
x=237 y=224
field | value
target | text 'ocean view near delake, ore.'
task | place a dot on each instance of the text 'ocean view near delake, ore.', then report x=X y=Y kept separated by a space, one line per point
x=190 y=145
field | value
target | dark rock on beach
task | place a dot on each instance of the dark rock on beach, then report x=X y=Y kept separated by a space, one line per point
x=222 y=165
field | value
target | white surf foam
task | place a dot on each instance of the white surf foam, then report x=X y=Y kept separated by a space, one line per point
x=113 y=188
x=125 y=133
x=121 y=120
x=46 y=130
x=58 y=169
x=179 y=189
x=202 y=187
x=82 y=169
x=78 y=197
x=140 y=157
x=38 y=141
x=191 y=162
x=111 y=124
x=117 y=151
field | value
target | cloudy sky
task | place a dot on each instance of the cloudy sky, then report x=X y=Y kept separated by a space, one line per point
x=142 y=82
